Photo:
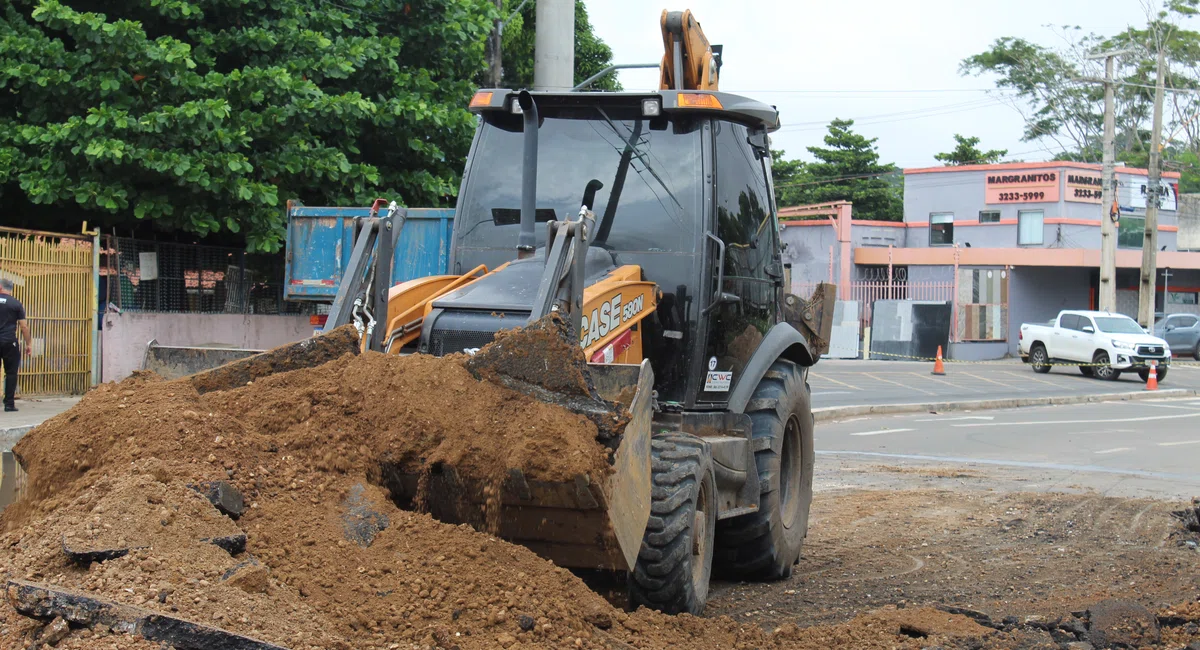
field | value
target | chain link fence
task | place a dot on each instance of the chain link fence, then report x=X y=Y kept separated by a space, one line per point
x=165 y=277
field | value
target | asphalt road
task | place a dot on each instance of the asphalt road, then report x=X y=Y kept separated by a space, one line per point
x=1142 y=448
x=848 y=382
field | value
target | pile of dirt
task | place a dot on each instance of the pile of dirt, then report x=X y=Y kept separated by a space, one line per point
x=329 y=561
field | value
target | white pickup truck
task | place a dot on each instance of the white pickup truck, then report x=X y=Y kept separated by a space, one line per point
x=1103 y=344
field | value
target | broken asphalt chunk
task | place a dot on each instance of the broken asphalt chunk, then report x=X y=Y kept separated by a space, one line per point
x=226 y=498
x=80 y=608
x=360 y=521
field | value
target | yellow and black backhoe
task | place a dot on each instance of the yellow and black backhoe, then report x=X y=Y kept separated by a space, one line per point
x=647 y=222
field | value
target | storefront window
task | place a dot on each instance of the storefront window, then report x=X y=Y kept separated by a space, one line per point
x=1029 y=227
x=1131 y=231
x=941 y=228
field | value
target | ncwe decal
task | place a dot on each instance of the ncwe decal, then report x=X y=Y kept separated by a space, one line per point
x=608 y=318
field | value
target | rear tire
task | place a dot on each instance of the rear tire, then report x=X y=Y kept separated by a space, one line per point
x=1086 y=371
x=1039 y=360
x=675 y=561
x=1101 y=368
x=1196 y=352
x=764 y=545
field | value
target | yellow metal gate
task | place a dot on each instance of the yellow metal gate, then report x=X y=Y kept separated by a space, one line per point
x=54 y=279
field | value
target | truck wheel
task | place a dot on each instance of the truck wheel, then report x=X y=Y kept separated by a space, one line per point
x=1102 y=370
x=765 y=544
x=675 y=561
x=1086 y=371
x=1159 y=375
x=1039 y=360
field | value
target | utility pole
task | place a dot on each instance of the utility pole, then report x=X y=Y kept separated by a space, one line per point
x=1150 y=241
x=1109 y=213
x=494 y=55
x=554 y=46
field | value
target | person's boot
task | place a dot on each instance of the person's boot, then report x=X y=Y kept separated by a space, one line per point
x=10 y=408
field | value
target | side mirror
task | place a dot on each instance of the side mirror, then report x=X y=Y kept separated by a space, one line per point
x=1089 y=329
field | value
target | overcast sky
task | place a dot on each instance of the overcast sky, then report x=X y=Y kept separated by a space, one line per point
x=890 y=65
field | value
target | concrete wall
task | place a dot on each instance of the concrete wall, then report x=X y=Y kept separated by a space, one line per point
x=123 y=341
x=1037 y=294
x=1189 y=222
x=807 y=250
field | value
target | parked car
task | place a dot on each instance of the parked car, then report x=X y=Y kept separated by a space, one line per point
x=1103 y=344
x=1182 y=333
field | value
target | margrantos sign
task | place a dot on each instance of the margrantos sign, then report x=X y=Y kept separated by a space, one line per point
x=1084 y=187
x=1023 y=187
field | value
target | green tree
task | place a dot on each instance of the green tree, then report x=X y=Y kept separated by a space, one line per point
x=1043 y=83
x=967 y=152
x=846 y=169
x=206 y=115
x=790 y=177
x=591 y=54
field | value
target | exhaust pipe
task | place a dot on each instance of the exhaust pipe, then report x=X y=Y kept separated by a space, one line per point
x=527 y=240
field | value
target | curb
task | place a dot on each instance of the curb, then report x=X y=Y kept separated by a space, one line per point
x=10 y=435
x=828 y=413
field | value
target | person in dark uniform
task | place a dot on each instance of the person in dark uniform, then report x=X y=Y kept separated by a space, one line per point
x=12 y=320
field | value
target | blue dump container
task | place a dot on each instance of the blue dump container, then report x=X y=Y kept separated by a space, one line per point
x=320 y=240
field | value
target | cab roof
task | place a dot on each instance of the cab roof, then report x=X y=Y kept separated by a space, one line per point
x=728 y=106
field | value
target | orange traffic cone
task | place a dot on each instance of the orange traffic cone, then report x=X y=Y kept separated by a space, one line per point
x=1152 y=379
x=938 y=368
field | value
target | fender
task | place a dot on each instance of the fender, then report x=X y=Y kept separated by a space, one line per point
x=783 y=341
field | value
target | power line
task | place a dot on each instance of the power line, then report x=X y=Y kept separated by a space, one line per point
x=914 y=115
x=912 y=111
x=868 y=91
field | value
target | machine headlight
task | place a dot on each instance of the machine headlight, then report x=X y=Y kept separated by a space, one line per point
x=1122 y=345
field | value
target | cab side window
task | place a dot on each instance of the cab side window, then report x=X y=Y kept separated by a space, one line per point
x=745 y=223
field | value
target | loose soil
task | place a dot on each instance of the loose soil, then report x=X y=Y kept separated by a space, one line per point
x=1006 y=554
x=306 y=448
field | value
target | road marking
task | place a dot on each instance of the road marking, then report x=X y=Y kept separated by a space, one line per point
x=1114 y=450
x=1023 y=424
x=943 y=381
x=880 y=432
x=839 y=383
x=991 y=381
x=965 y=417
x=1176 y=406
x=1176 y=444
x=1026 y=377
x=830 y=392
x=896 y=383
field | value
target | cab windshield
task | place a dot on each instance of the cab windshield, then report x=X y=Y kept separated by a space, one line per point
x=649 y=168
x=1118 y=325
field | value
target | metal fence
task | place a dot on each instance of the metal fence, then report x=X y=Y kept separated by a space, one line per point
x=53 y=277
x=898 y=287
x=148 y=276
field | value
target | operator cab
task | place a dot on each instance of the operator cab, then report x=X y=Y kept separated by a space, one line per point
x=678 y=181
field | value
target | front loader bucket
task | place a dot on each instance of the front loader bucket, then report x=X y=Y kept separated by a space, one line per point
x=590 y=522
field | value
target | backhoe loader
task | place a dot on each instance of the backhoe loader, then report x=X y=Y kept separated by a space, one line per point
x=645 y=223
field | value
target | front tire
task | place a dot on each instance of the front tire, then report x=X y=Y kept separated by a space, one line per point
x=1039 y=359
x=675 y=562
x=1196 y=352
x=764 y=545
x=1102 y=369
x=1086 y=371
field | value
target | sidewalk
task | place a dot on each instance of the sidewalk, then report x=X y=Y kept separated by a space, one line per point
x=33 y=411
x=837 y=382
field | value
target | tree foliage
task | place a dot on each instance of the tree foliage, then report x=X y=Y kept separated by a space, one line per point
x=1044 y=83
x=207 y=115
x=591 y=53
x=846 y=169
x=966 y=152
